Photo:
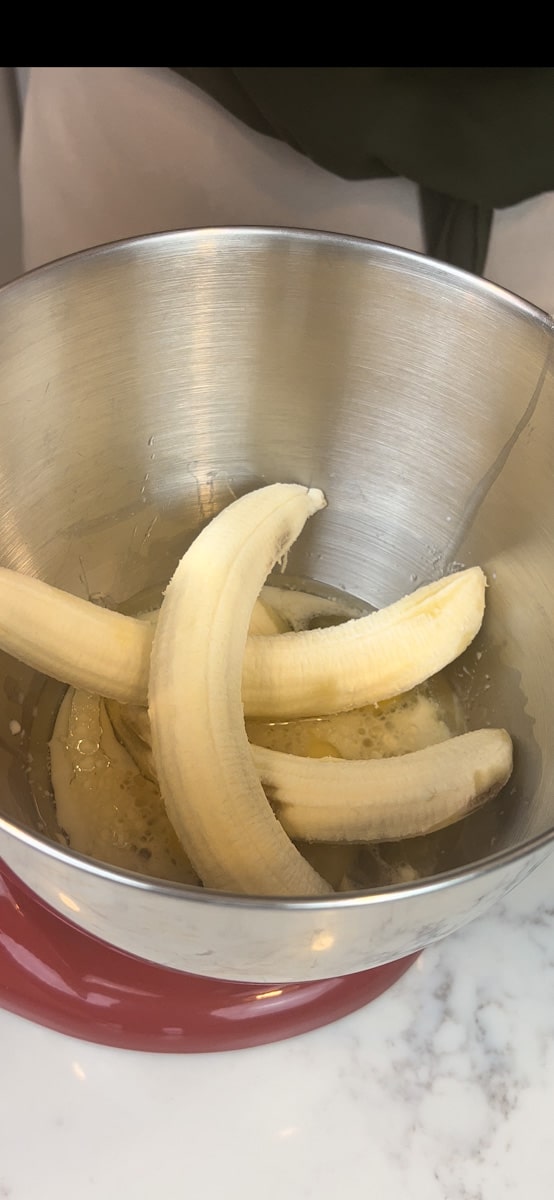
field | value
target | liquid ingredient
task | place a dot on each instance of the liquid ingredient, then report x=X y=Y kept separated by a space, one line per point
x=409 y=722
x=105 y=807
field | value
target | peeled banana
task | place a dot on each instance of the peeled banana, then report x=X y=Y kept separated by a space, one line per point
x=367 y=659
x=309 y=673
x=363 y=800
x=208 y=657
x=385 y=799
x=204 y=766
x=73 y=640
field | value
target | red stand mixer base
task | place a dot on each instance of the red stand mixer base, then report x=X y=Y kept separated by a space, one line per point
x=53 y=973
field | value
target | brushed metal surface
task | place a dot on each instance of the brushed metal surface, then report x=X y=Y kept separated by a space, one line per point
x=143 y=385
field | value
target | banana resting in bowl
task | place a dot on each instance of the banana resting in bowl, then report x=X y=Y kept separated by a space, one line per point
x=164 y=755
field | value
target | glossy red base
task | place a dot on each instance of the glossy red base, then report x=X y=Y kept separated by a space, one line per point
x=55 y=974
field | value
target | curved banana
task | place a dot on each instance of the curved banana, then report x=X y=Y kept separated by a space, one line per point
x=108 y=810
x=74 y=640
x=309 y=673
x=207 y=777
x=385 y=799
x=367 y=659
x=86 y=646
x=363 y=800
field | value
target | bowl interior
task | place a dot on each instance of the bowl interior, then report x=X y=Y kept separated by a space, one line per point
x=146 y=384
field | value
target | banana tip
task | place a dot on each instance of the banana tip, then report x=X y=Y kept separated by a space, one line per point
x=317 y=498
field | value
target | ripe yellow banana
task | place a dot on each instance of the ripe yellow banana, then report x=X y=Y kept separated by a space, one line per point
x=207 y=776
x=367 y=659
x=362 y=800
x=206 y=655
x=298 y=674
x=86 y=646
x=73 y=640
x=385 y=799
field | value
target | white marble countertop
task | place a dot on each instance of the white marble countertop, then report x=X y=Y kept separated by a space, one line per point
x=443 y=1089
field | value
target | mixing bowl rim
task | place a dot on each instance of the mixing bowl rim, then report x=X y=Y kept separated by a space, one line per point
x=297 y=234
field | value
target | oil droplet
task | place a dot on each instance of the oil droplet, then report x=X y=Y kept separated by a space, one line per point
x=87 y=746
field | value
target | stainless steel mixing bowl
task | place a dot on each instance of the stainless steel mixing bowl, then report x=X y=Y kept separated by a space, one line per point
x=142 y=385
